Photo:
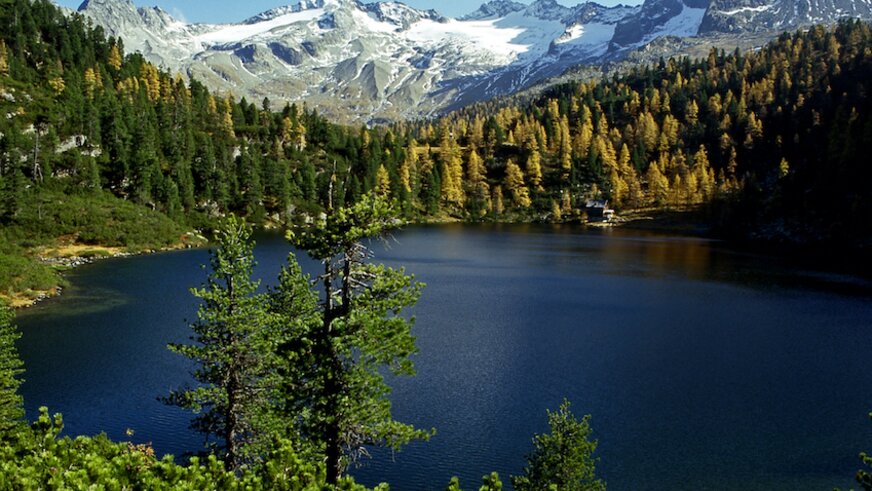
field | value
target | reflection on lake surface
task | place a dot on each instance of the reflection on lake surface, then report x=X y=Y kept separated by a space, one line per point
x=703 y=367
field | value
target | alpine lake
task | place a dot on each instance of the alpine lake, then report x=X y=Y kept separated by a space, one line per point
x=703 y=366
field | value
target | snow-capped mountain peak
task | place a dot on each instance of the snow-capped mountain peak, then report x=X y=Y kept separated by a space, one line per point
x=494 y=9
x=386 y=60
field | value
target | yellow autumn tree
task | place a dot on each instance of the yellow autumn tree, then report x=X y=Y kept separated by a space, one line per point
x=565 y=202
x=704 y=175
x=658 y=185
x=4 y=59
x=57 y=84
x=383 y=182
x=479 y=190
x=556 y=212
x=534 y=166
x=227 y=118
x=584 y=135
x=452 y=172
x=115 y=57
x=514 y=184
x=497 y=200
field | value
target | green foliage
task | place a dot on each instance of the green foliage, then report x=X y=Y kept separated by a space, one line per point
x=771 y=143
x=19 y=273
x=11 y=368
x=98 y=219
x=864 y=476
x=338 y=391
x=491 y=482
x=454 y=484
x=37 y=458
x=562 y=459
x=234 y=351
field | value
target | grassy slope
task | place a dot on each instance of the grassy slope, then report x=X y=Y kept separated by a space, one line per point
x=55 y=224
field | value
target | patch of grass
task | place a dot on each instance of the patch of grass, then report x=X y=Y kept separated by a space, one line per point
x=95 y=219
x=19 y=274
x=53 y=223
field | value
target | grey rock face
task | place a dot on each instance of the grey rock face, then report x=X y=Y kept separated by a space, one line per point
x=387 y=61
x=654 y=14
x=756 y=15
x=494 y=9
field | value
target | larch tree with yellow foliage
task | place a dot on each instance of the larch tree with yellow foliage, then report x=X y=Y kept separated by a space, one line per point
x=514 y=184
x=383 y=182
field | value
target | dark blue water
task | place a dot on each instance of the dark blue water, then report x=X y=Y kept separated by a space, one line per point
x=703 y=368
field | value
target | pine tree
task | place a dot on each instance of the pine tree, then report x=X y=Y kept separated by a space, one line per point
x=361 y=333
x=11 y=367
x=562 y=459
x=233 y=350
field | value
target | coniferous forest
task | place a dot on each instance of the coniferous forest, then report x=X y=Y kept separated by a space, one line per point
x=101 y=149
x=765 y=144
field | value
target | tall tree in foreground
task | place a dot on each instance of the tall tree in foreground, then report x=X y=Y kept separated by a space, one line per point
x=340 y=389
x=563 y=459
x=233 y=351
x=11 y=366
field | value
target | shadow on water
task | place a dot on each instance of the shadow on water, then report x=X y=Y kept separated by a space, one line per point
x=78 y=302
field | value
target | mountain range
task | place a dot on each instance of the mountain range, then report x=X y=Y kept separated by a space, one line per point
x=385 y=61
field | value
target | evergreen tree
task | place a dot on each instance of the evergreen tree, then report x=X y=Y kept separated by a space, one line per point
x=360 y=334
x=11 y=367
x=562 y=459
x=233 y=350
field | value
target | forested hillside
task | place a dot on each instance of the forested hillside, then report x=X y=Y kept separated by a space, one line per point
x=774 y=140
x=768 y=145
x=100 y=148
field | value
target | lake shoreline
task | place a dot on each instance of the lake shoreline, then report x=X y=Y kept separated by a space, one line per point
x=68 y=257
x=690 y=222
x=621 y=323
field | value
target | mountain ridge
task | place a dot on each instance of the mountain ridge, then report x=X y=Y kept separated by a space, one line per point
x=386 y=61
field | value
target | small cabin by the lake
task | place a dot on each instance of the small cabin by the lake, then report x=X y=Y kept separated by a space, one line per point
x=598 y=210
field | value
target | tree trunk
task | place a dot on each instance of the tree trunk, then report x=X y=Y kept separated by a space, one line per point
x=231 y=414
x=332 y=440
x=231 y=460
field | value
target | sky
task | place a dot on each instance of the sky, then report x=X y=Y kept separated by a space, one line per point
x=226 y=11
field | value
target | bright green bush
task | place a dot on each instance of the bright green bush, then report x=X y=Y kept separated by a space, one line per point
x=38 y=458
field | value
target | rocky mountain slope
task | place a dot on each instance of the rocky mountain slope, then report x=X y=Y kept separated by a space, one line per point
x=385 y=61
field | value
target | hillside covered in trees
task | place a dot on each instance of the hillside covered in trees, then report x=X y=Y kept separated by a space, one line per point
x=766 y=145
x=100 y=147
x=771 y=142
